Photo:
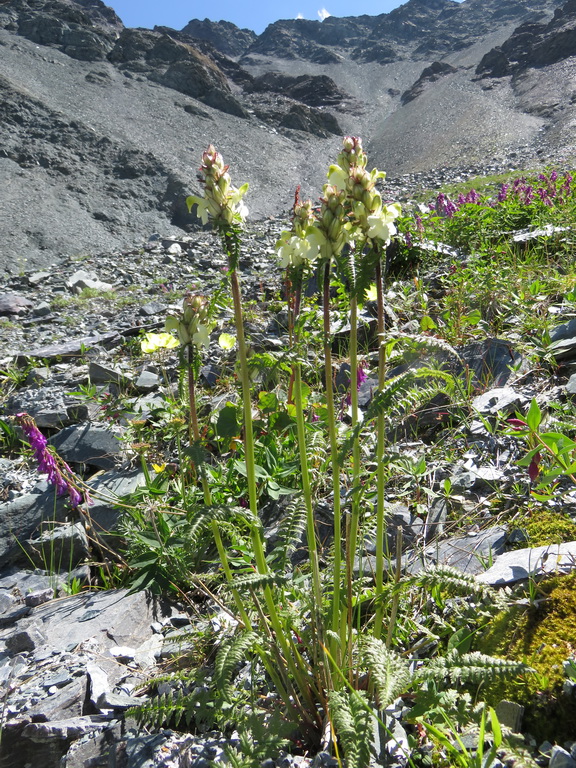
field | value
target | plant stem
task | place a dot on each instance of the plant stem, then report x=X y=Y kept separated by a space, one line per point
x=292 y=657
x=336 y=618
x=380 y=448
x=195 y=433
x=354 y=520
x=310 y=523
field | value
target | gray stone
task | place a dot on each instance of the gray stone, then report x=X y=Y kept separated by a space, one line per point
x=548 y=230
x=42 y=310
x=564 y=331
x=106 y=491
x=503 y=400
x=88 y=444
x=7 y=601
x=82 y=279
x=436 y=519
x=25 y=640
x=564 y=350
x=68 y=702
x=147 y=381
x=113 y=618
x=39 y=597
x=117 y=701
x=467 y=553
x=20 y=518
x=490 y=361
x=70 y=350
x=521 y=564
x=68 y=729
x=571 y=385
x=103 y=374
x=560 y=758
x=510 y=714
x=13 y=304
x=63 y=547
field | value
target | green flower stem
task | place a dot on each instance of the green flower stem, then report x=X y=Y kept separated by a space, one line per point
x=310 y=523
x=331 y=415
x=396 y=597
x=293 y=312
x=354 y=520
x=195 y=435
x=292 y=656
x=380 y=449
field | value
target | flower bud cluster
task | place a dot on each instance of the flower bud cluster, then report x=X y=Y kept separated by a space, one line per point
x=351 y=209
x=222 y=202
x=333 y=229
x=370 y=217
x=296 y=248
x=193 y=325
x=59 y=473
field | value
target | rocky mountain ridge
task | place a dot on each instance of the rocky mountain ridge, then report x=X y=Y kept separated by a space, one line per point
x=102 y=126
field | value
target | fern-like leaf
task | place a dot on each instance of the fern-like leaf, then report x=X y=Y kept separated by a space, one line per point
x=474 y=667
x=451 y=580
x=291 y=530
x=354 y=724
x=389 y=671
x=399 y=394
x=173 y=708
x=258 y=580
x=430 y=342
x=201 y=518
x=230 y=655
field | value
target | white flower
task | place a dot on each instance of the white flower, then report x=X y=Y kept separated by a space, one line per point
x=379 y=228
x=337 y=177
x=201 y=338
x=294 y=250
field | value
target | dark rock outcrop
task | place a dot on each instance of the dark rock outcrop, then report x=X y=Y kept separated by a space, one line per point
x=431 y=74
x=223 y=35
x=534 y=45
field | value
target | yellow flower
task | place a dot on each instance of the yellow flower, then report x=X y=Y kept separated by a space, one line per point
x=152 y=342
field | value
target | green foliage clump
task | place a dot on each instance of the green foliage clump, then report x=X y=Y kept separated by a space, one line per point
x=544 y=637
x=546 y=526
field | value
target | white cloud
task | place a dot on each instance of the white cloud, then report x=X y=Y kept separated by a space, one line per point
x=299 y=16
x=323 y=14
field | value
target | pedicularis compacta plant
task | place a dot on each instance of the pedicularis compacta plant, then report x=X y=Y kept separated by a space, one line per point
x=321 y=637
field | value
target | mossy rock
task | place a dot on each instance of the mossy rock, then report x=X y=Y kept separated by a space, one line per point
x=545 y=526
x=544 y=637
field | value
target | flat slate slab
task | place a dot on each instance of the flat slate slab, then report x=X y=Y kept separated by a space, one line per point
x=521 y=564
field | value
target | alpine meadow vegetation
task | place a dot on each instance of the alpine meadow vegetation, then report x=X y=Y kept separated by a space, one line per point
x=326 y=640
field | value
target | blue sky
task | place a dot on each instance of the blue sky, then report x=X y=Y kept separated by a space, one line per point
x=253 y=14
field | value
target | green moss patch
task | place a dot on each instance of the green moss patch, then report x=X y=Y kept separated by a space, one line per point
x=544 y=526
x=544 y=637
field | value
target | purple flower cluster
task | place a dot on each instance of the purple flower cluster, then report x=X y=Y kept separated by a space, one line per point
x=553 y=190
x=444 y=206
x=59 y=473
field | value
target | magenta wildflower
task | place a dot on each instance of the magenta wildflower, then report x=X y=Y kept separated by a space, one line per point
x=445 y=206
x=503 y=193
x=59 y=473
x=472 y=198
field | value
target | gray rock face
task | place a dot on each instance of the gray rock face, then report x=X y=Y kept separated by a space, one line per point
x=533 y=561
x=534 y=45
x=65 y=676
x=88 y=444
x=92 y=115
